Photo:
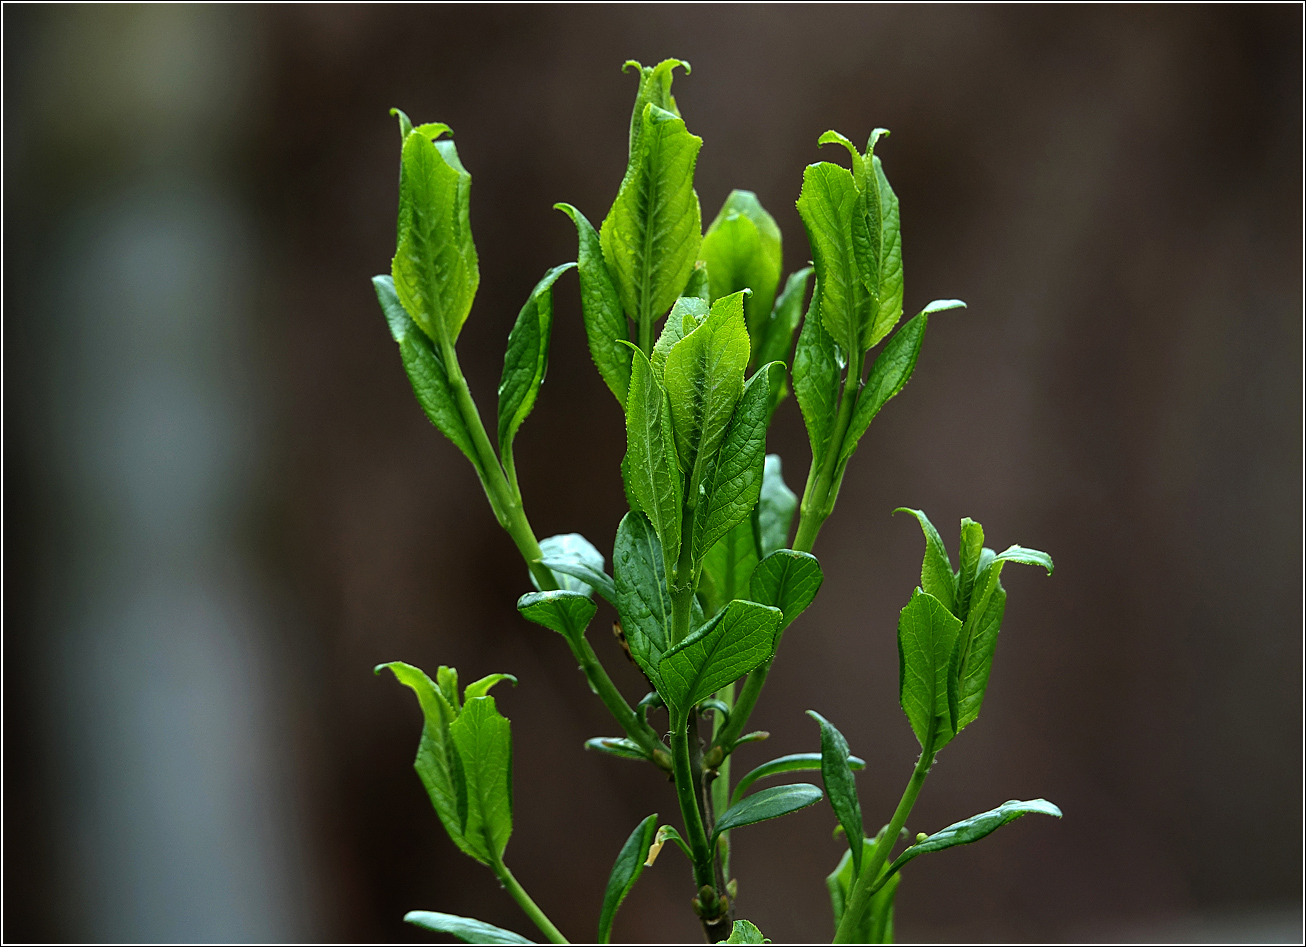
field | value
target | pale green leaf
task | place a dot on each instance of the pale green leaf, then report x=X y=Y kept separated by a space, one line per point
x=483 y=739
x=1028 y=557
x=767 y=804
x=651 y=464
x=927 y=637
x=737 y=640
x=972 y=547
x=828 y=203
x=937 y=576
x=625 y=872
x=467 y=929
x=889 y=375
x=687 y=314
x=742 y=249
x=745 y=932
x=579 y=552
x=619 y=747
x=775 y=508
x=482 y=687
x=887 y=291
x=654 y=87
x=606 y=326
x=526 y=361
x=566 y=612
x=818 y=364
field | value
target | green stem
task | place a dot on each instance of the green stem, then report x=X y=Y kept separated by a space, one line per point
x=864 y=883
x=721 y=785
x=743 y=709
x=524 y=900
x=822 y=481
x=636 y=728
x=689 y=811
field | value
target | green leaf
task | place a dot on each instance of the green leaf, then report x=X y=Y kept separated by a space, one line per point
x=575 y=551
x=877 y=923
x=742 y=249
x=975 y=828
x=745 y=932
x=818 y=364
x=527 y=358
x=840 y=786
x=654 y=87
x=885 y=269
x=618 y=746
x=787 y=580
x=483 y=739
x=643 y=603
x=651 y=465
x=566 y=612
x=425 y=370
x=775 y=508
x=927 y=636
x=687 y=314
x=697 y=286
x=434 y=268
x=437 y=764
x=651 y=235
x=1027 y=557
x=793 y=763
x=727 y=567
x=704 y=379
x=482 y=687
x=889 y=375
x=467 y=929
x=778 y=333
x=732 y=481
x=605 y=321
x=737 y=640
x=625 y=872
x=767 y=804
x=828 y=204
x=937 y=577
x=972 y=547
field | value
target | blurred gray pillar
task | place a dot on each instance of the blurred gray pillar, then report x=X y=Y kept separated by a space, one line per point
x=173 y=777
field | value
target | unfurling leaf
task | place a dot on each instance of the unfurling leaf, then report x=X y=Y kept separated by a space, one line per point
x=828 y=204
x=625 y=872
x=742 y=249
x=927 y=637
x=467 y=929
x=937 y=576
x=767 y=804
x=605 y=321
x=840 y=786
x=527 y=359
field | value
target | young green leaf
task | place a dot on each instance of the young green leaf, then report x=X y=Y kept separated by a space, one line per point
x=793 y=763
x=651 y=464
x=787 y=580
x=605 y=321
x=697 y=286
x=937 y=577
x=655 y=87
x=620 y=747
x=881 y=212
x=564 y=611
x=742 y=249
x=687 y=314
x=437 y=763
x=651 y=235
x=643 y=603
x=840 y=786
x=483 y=739
x=467 y=929
x=975 y=828
x=482 y=687
x=889 y=375
x=972 y=547
x=425 y=369
x=732 y=480
x=704 y=378
x=1026 y=557
x=740 y=638
x=775 y=508
x=727 y=567
x=625 y=872
x=745 y=932
x=877 y=923
x=927 y=638
x=818 y=363
x=828 y=204
x=527 y=359
x=778 y=333
x=435 y=268
x=767 y=804
x=575 y=554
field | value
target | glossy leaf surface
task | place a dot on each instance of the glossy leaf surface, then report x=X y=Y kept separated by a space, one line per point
x=625 y=872
x=651 y=464
x=889 y=375
x=818 y=364
x=792 y=763
x=579 y=552
x=606 y=326
x=787 y=580
x=566 y=612
x=743 y=250
x=467 y=929
x=828 y=203
x=937 y=576
x=975 y=828
x=643 y=602
x=927 y=637
x=527 y=359
x=767 y=804
x=840 y=786
x=739 y=639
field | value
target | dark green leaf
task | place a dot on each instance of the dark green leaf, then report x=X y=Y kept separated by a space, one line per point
x=728 y=566
x=651 y=235
x=775 y=508
x=605 y=321
x=577 y=551
x=840 y=786
x=617 y=746
x=818 y=364
x=527 y=359
x=889 y=375
x=975 y=828
x=704 y=378
x=651 y=464
x=435 y=268
x=643 y=602
x=936 y=568
x=732 y=481
x=437 y=761
x=566 y=612
x=742 y=249
x=793 y=763
x=425 y=370
x=483 y=739
x=787 y=580
x=740 y=638
x=927 y=637
x=828 y=204
x=625 y=872
x=767 y=804
x=466 y=929
x=745 y=932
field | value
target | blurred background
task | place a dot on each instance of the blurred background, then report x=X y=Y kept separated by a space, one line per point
x=223 y=506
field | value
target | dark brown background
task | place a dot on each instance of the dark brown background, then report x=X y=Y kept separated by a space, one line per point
x=1116 y=192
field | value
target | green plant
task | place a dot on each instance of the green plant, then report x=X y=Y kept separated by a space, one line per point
x=703 y=579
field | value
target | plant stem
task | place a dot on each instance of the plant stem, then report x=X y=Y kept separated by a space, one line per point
x=524 y=900
x=863 y=884
x=689 y=811
x=721 y=785
x=631 y=722
x=822 y=481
